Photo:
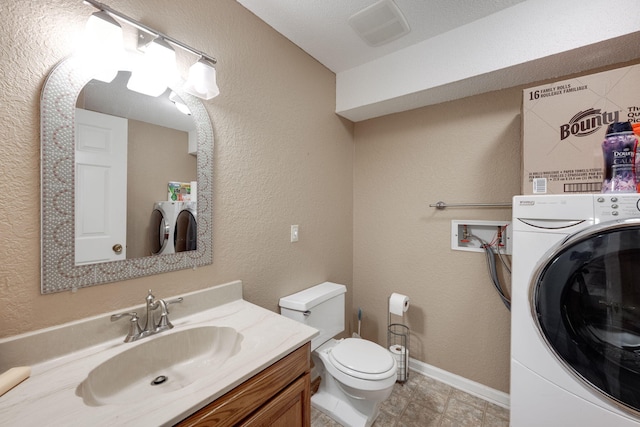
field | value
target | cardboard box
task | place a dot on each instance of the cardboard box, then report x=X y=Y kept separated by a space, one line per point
x=564 y=124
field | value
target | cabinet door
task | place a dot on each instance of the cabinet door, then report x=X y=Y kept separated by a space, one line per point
x=290 y=408
x=258 y=392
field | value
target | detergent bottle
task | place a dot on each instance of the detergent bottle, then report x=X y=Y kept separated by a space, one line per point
x=619 y=153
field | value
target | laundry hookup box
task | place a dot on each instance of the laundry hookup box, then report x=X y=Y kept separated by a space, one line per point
x=564 y=124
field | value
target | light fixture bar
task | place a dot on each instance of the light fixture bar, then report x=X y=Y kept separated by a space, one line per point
x=141 y=26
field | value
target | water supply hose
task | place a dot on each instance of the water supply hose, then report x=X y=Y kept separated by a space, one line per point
x=493 y=274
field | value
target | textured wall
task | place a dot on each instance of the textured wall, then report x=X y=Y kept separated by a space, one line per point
x=281 y=157
x=462 y=151
x=467 y=150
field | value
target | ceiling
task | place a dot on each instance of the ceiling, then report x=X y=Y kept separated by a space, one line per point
x=321 y=28
x=455 y=48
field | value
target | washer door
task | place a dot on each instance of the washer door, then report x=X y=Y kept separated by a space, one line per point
x=159 y=232
x=185 y=237
x=585 y=298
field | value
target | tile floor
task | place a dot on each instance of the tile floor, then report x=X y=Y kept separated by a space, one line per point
x=425 y=402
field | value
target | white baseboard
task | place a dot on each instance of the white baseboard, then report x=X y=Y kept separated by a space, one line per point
x=487 y=393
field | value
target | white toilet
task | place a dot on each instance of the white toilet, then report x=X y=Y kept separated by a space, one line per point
x=356 y=374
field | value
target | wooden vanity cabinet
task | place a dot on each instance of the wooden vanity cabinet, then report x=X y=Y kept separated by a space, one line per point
x=279 y=396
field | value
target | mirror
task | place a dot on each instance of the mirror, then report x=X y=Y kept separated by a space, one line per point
x=129 y=146
x=62 y=93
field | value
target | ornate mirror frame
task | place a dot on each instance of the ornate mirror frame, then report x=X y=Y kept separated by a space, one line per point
x=58 y=269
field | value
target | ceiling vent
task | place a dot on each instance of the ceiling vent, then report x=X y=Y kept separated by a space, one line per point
x=380 y=23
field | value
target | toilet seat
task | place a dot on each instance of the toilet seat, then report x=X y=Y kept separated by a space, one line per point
x=362 y=359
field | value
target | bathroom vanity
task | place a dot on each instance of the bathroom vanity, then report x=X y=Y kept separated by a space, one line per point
x=228 y=362
x=279 y=395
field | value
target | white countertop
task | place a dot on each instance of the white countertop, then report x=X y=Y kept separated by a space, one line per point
x=49 y=396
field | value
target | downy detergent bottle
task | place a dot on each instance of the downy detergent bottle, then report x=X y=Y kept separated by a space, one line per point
x=619 y=152
x=636 y=131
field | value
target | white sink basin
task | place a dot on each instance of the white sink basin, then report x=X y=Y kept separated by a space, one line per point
x=160 y=364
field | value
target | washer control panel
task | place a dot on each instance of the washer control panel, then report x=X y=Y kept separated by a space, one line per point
x=616 y=206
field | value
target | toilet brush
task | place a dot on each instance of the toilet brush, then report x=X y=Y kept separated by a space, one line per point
x=357 y=335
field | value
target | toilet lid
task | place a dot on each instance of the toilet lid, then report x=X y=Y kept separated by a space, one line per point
x=361 y=358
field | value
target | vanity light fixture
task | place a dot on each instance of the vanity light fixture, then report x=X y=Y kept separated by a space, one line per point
x=201 y=81
x=155 y=71
x=102 y=45
x=202 y=84
x=180 y=106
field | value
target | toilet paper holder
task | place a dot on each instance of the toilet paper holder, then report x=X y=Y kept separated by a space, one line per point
x=398 y=344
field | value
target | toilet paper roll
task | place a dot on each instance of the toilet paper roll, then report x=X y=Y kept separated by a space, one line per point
x=398 y=304
x=402 y=360
x=397 y=350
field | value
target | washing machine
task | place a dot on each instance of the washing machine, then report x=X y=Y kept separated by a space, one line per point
x=174 y=227
x=575 y=318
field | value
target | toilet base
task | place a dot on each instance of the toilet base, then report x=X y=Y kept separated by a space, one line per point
x=351 y=407
x=343 y=412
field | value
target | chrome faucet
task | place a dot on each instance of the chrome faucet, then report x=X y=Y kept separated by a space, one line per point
x=150 y=327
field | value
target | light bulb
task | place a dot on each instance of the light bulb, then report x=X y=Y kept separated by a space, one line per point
x=180 y=106
x=155 y=70
x=201 y=81
x=101 y=46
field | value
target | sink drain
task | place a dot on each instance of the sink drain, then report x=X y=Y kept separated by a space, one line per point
x=159 y=380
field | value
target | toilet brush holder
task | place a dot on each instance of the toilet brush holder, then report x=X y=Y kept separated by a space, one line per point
x=398 y=344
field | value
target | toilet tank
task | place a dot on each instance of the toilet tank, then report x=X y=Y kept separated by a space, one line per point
x=321 y=307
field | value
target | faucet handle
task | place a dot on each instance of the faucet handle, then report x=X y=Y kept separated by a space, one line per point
x=119 y=316
x=134 y=327
x=175 y=300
